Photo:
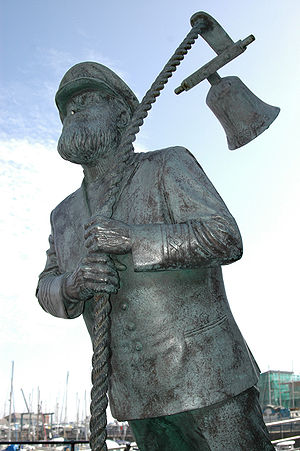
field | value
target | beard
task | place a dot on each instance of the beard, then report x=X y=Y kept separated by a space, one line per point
x=86 y=144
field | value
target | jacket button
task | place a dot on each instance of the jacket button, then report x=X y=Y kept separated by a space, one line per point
x=131 y=326
x=124 y=306
x=138 y=347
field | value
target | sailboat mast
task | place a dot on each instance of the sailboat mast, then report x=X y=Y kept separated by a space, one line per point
x=29 y=412
x=77 y=416
x=85 y=418
x=10 y=399
x=38 y=414
x=66 y=404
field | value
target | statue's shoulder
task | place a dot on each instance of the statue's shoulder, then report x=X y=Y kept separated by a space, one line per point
x=67 y=204
x=171 y=162
x=168 y=154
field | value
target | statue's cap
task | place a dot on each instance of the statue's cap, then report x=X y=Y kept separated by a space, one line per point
x=89 y=76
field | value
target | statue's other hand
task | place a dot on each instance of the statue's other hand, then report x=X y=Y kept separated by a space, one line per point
x=93 y=275
x=107 y=235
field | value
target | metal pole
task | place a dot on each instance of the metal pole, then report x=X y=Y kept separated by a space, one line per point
x=279 y=385
x=293 y=392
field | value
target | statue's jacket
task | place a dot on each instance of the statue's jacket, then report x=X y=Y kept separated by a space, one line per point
x=175 y=345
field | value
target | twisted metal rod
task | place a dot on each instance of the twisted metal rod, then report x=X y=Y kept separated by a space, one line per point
x=100 y=371
x=157 y=86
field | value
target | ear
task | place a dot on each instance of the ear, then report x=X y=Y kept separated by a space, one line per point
x=123 y=114
x=124 y=118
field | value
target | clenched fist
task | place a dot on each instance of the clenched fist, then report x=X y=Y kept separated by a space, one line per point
x=93 y=274
x=107 y=235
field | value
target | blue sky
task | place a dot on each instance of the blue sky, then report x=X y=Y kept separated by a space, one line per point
x=39 y=41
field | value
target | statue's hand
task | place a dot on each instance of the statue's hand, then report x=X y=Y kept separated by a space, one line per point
x=107 y=235
x=93 y=274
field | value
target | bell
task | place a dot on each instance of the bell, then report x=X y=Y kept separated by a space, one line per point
x=242 y=115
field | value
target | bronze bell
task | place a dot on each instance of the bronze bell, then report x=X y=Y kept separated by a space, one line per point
x=241 y=113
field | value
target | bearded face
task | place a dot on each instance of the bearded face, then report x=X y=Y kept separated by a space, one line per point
x=90 y=130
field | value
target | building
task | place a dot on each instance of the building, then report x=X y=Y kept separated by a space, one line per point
x=279 y=388
x=294 y=391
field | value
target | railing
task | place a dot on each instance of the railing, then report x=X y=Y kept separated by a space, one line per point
x=73 y=443
x=283 y=429
x=46 y=442
x=288 y=421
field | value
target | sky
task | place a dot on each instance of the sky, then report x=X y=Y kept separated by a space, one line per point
x=39 y=41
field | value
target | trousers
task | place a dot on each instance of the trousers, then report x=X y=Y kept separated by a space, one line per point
x=232 y=425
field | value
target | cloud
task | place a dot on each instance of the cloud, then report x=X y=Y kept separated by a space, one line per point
x=33 y=180
x=27 y=107
x=58 y=61
x=28 y=110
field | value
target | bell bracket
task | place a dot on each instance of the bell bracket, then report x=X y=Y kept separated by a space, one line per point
x=217 y=38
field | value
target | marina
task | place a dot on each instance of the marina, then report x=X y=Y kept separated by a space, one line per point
x=45 y=430
x=67 y=437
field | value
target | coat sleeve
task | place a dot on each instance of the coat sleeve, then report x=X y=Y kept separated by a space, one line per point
x=50 y=289
x=202 y=232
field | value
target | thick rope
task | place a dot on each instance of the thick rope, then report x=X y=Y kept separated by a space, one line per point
x=100 y=372
x=102 y=304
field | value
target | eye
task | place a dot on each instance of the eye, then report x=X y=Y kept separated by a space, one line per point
x=72 y=111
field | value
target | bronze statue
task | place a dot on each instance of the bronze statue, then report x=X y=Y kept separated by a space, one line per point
x=179 y=370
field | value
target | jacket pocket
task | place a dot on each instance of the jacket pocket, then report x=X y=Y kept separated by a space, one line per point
x=199 y=330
